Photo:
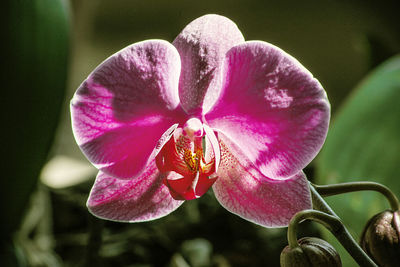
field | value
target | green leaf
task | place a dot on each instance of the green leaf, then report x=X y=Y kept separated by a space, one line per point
x=363 y=143
x=36 y=53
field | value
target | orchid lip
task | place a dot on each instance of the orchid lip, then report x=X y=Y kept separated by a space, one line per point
x=185 y=154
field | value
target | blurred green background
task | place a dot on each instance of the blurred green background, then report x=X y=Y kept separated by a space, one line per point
x=52 y=45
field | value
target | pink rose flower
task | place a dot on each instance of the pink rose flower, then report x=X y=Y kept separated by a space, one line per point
x=165 y=122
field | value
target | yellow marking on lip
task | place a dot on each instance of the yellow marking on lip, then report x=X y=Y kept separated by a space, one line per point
x=190 y=160
x=193 y=161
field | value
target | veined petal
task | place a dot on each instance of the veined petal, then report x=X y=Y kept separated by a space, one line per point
x=272 y=108
x=202 y=46
x=140 y=199
x=125 y=105
x=243 y=190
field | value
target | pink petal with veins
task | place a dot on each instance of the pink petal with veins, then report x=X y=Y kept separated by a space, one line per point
x=243 y=190
x=125 y=105
x=141 y=199
x=202 y=46
x=272 y=108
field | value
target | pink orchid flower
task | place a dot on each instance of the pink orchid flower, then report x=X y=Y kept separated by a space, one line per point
x=165 y=122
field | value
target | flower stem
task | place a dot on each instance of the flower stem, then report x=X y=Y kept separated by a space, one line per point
x=334 y=189
x=331 y=222
x=341 y=233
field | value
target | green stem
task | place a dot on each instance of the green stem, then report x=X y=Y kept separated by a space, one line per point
x=331 y=222
x=334 y=189
x=341 y=233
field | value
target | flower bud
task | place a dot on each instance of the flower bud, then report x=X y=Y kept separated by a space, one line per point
x=311 y=252
x=380 y=238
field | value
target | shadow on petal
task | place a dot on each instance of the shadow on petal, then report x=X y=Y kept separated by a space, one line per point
x=124 y=151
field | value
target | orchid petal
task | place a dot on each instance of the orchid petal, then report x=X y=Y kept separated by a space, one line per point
x=140 y=199
x=125 y=105
x=202 y=46
x=243 y=190
x=272 y=107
